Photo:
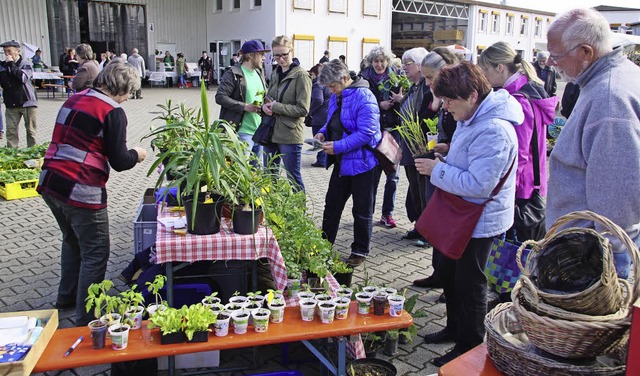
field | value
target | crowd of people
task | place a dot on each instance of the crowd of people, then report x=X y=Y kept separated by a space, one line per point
x=491 y=149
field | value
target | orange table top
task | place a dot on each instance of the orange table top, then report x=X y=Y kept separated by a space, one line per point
x=145 y=343
x=475 y=362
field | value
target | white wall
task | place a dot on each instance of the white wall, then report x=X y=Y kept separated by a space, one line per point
x=242 y=25
x=618 y=17
x=26 y=21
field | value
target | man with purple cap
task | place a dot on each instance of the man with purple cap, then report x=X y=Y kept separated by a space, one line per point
x=241 y=92
x=19 y=94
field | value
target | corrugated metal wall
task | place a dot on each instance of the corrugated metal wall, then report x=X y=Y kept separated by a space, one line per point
x=26 y=21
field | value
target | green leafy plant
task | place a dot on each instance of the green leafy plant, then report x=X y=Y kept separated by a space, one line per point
x=258 y=98
x=13 y=159
x=155 y=287
x=22 y=174
x=99 y=299
x=170 y=320
x=409 y=306
x=394 y=81
x=211 y=298
x=249 y=183
x=197 y=318
x=432 y=125
x=132 y=297
x=412 y=131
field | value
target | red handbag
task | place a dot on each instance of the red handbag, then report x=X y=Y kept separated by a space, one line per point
x=448 y=220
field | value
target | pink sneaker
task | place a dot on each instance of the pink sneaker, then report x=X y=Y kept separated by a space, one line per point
x=388 y=221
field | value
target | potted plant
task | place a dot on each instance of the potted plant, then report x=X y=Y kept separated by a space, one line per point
x=201 y=155
x=132 y=307
x=99 y=299
x=368 y=367
x=432 y=134
x=364 y=302
x=221 y=326
x=171 y=323
x=211 y=300
x=240 y=321
x=308 y=309
x=261 y=320
x=372 y=343
x=341 y=271
x=256 y=297
x=406 y=335
x=276 y=304
x=327 y=311
x=197 y=319
x=342 y=307
x=154 y=287
x=413 y=132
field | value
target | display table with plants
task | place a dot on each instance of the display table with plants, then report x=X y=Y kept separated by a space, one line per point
x=145 y=343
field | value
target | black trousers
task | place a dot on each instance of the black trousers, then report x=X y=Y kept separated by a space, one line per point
x=416 y=197
x=465 y=286
x=361 y=188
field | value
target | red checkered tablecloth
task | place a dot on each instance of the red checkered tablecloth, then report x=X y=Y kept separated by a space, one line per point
x=225 y=245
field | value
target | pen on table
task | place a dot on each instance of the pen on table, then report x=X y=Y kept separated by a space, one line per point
x=73 y=347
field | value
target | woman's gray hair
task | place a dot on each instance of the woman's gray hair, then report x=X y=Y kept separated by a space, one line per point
x=583 y=25
x=117 y=78
x=542 y=55
x=415 y=54
x=377 y=52
x=85 y=52
x=332 y=72
x=438 y=58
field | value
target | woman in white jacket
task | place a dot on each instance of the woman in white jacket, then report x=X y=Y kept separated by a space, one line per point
x=481 y=153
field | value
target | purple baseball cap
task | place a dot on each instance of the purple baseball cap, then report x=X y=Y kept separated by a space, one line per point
x=253 y=46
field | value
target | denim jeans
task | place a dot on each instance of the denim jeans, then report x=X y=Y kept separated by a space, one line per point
x=465 y=287
x=389 y=195
x=361 y=189
x=253 y=147
x=291 y=156
x=83 y=255
x=183 y=80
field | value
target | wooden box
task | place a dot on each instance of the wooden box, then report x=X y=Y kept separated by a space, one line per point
x=448 y=35
x=26 y=365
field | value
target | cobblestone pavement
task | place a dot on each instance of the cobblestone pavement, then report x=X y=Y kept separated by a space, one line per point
x=30 y=244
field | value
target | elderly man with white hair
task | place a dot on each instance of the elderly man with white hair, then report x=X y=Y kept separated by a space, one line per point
x=547 y=74
x=136 y=61
x=595 y=162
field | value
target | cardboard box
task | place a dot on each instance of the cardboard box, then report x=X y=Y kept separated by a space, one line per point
x=206 y=359
x=26 y=365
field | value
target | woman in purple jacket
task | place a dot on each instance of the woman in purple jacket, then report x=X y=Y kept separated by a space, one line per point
x=504 y=68
x=349 y=136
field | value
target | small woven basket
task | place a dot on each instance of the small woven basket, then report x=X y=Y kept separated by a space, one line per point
x=564 y=266
x=514 y=355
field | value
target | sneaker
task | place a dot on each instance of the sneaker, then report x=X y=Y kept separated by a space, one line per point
x=388 y=221
x=412 y=235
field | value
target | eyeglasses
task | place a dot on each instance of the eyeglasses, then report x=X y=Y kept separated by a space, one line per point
x=407 y=63
x=279 y=56
x=556 y=58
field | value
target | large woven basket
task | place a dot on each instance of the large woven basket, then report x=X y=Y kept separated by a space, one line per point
x=566 y=265
x=525 y=292
x=513 y=354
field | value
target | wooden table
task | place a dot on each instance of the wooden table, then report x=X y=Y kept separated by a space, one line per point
x=145 y=343
x=475 y=362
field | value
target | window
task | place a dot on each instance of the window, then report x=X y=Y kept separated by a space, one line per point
x=495 y=22
x=235 y=5
x=371 y=8
x=482 y=21
x=338 y=6
x=538 y=33
x=368 y=44
x=256 y=4
x=303 y=47
x=218 y=6
x=525 y=26
x=303 y=4
x=337 y=46
x=510 y=24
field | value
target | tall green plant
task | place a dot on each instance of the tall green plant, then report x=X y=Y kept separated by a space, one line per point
x=412 y=132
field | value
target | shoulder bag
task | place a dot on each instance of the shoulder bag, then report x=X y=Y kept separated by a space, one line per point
x=448 y=220
x=264 y=132
x=530 y=214
x=388 y=152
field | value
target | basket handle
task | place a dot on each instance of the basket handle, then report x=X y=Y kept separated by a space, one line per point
x=616 y=231
x=523 y=246
x=527 y=284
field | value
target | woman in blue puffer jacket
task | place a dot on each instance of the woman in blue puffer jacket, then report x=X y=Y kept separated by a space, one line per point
x=351 y=133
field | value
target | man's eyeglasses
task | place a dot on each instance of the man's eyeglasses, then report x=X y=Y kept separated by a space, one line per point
x=279 y=56
x=558 y=57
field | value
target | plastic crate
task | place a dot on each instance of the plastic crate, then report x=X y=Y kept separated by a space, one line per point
x=19 y=189
x=145 y=227
x=281 y=373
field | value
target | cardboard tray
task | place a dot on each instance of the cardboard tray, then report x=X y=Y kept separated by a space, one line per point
x=26 y=365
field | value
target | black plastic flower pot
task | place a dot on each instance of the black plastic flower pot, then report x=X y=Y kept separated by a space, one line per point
x=207 y=218
x=245 y=222
x=172 y=338
x=390 y=346
x=201 y=336
x=344 y=279
x=361 y=367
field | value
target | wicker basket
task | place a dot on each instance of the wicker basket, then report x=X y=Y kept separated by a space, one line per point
x=514 y=355
x=526 y=294
x=604 y=296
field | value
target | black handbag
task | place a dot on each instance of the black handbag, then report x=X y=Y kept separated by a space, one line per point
x=264 y=132
x=530 y=214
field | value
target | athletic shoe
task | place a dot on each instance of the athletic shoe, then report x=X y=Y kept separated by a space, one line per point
x=388 y=221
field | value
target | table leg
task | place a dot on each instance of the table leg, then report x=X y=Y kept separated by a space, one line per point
x=341 y=369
